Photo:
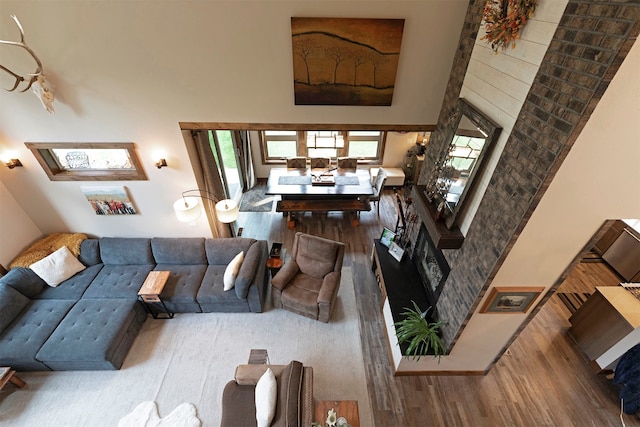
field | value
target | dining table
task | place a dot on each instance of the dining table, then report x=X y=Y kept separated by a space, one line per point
x=320 y=190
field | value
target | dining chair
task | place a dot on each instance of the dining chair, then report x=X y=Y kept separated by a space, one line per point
x=319 y=162
x=381 y=177
x=347 y=162
x=297 y=162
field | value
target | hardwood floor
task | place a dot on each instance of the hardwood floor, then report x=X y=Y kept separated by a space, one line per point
x=544 y=380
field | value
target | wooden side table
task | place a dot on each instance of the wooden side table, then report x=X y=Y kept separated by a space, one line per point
x=347 y=409
x=8 y=375
x=274 y=265
x=276 y=258
x=150 y=291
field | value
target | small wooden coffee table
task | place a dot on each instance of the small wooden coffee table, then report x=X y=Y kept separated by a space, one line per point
x=150 y=291
x=344 y=408
x=8 y=375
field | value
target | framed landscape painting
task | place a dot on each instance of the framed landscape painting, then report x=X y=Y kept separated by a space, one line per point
x=345 y=61
x=511 y=300
x=109 y=200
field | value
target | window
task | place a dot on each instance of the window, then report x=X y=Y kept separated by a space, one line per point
x=279 y=144
x=324 y=143
x=367 y=145
x=88 y=161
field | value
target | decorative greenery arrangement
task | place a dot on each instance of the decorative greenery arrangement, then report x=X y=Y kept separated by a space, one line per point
x=503 y=20
x=421 y=334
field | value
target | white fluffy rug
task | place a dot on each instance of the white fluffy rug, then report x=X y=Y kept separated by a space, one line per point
x=146 y=415
x=190 y=359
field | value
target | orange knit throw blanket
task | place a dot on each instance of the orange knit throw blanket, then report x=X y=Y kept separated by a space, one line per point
x=46 y=246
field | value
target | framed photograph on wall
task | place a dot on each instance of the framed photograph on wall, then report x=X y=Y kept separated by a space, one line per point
x=387 y=237
x=109 y=200
x=396 y=251
x=511 y=300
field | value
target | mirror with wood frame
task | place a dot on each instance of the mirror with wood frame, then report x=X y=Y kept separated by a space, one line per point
x=470 y=143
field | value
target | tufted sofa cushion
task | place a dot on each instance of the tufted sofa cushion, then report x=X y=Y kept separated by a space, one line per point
x=126 y=251
x=72 y=288
x=179 y=250
x=221 y=251
x=180 y=291
x=118 y=281
x=96 y=334
x=25 y=281
x=22 y=340
x=90 y=252
x=213 y=298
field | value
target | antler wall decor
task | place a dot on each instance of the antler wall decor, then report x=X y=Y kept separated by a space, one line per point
x=35 y=81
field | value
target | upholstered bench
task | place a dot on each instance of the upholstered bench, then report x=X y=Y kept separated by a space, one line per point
x=95 y=335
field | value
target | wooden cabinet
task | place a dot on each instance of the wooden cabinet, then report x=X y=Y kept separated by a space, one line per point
x=609 y=237
x=609 y=315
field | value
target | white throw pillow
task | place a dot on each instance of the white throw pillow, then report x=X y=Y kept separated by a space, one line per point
x=232 y=270
x=57 y=267
x=266 y=395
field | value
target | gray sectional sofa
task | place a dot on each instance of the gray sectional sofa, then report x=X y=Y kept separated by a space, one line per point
x=90 y=321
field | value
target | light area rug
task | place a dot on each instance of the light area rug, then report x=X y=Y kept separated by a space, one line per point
x=190 y=358
x=255 y=200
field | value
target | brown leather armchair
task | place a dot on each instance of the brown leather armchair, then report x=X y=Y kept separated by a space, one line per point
x=308 y=283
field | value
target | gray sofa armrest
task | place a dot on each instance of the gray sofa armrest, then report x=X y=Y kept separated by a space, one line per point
x=247 y=272
x=257 y=292
x=12 y=304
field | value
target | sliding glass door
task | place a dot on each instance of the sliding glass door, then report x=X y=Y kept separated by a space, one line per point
x=225 y=152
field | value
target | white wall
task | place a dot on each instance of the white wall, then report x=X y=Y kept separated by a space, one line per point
x=497 y=84
x=131 y=71
x=17 y=230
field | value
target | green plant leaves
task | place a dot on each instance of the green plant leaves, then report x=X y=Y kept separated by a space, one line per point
x=419 y=333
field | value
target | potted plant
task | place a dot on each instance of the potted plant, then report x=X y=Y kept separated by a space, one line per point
x=422 y=335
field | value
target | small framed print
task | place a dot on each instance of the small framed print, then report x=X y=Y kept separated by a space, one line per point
x=511 y=300
x=387 y=237
x=396 y=251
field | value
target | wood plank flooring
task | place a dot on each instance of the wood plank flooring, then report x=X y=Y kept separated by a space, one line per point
x=544 y=380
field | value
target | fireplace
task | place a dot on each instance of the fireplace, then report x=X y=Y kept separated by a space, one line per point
x=431 y=264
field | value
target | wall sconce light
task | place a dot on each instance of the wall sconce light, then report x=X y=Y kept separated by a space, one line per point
x=12 y=163
x=161 y=163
